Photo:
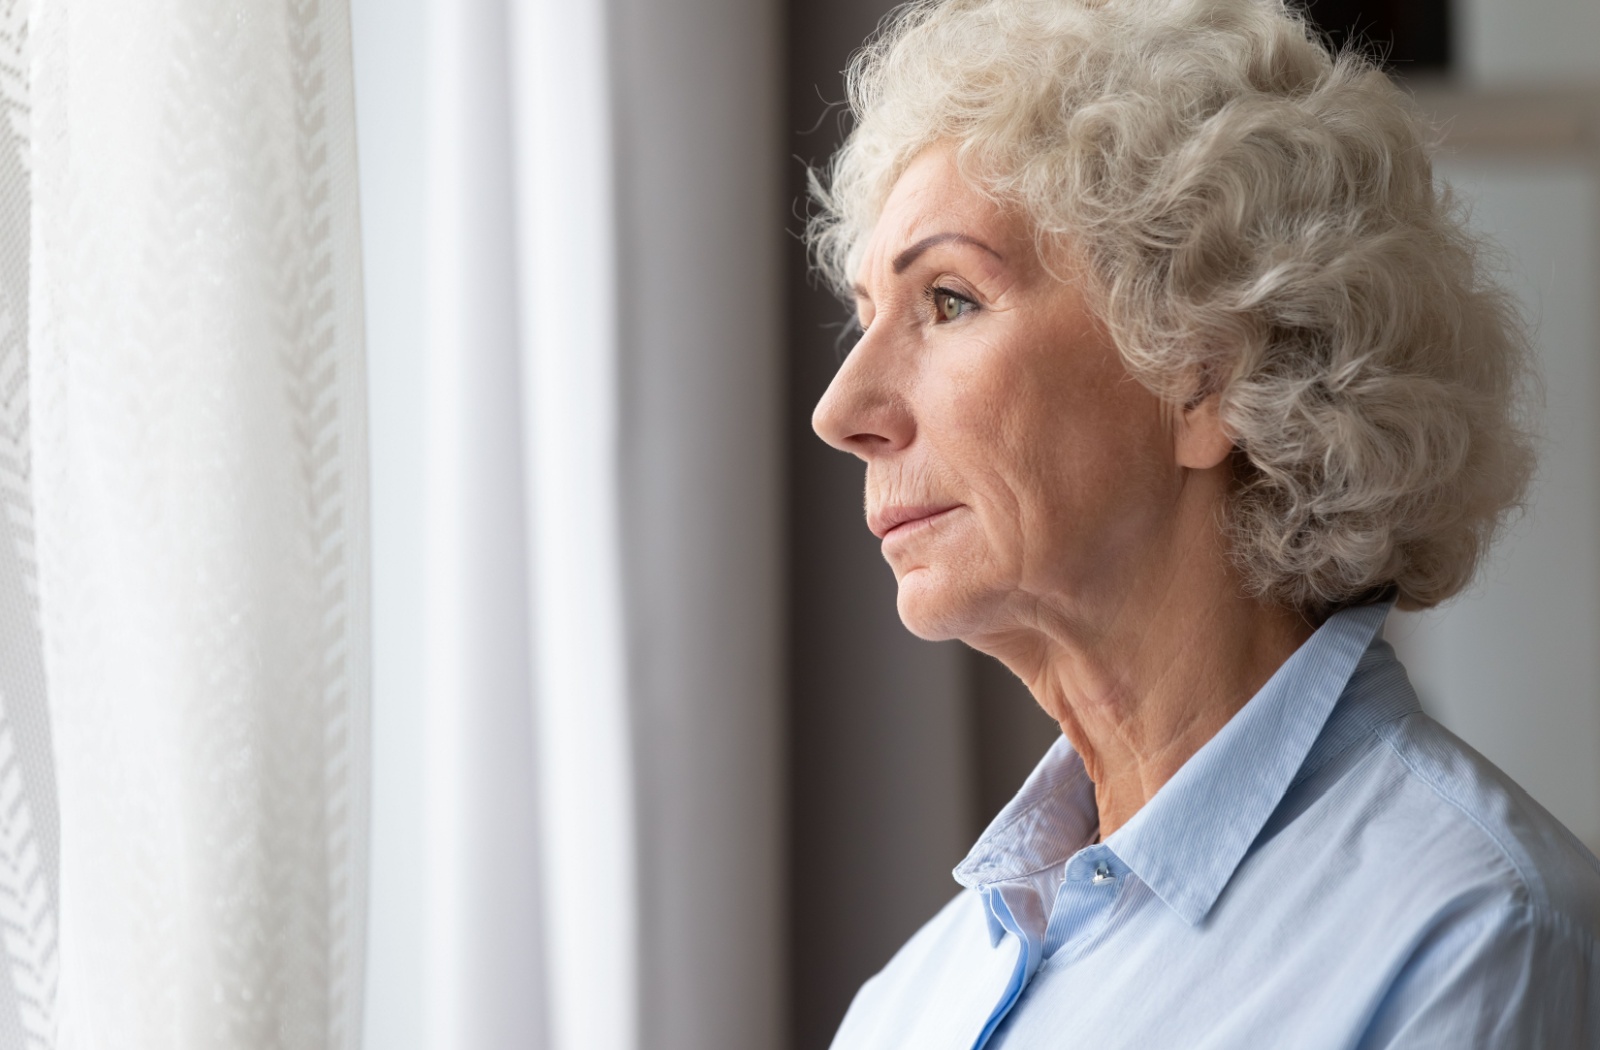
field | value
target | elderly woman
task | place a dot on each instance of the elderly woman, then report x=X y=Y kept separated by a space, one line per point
x=1177 y=371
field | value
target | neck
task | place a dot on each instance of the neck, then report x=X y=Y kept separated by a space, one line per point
x=1139 y=688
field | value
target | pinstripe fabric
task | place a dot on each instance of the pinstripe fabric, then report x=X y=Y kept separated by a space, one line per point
x=1331 y=870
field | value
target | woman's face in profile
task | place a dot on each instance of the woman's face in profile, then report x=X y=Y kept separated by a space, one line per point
x=1014 y=469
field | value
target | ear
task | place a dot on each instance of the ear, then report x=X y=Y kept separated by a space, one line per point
x=1199 y=439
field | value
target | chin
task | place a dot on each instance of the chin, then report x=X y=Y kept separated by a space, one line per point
x=937 y=609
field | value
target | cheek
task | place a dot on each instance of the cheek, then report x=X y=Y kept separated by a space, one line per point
x=1063 y=472
x=988 y=441
x=992 y=460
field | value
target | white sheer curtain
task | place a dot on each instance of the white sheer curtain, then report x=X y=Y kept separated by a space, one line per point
x=183 y=572
x=183 y=578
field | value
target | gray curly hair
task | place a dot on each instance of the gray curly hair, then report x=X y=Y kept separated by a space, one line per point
x=1259 y=220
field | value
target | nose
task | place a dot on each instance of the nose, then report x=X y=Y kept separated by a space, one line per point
x=865 y=411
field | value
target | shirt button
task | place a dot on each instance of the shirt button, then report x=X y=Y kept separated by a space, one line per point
x=1102 y=874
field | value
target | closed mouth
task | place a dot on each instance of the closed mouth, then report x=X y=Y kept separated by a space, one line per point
x=893 y=520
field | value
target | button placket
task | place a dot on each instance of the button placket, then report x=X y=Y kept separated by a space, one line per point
x=1085 y=899
x=1027 y=960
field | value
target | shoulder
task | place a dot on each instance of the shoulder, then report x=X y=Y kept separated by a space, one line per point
x=1506 y=972
x=1484 y=826
x=1504 y=949
x=1436 y=890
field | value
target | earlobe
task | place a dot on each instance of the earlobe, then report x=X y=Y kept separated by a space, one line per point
x=1201 y=440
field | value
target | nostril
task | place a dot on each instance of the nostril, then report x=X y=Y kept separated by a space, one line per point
x=868 y=441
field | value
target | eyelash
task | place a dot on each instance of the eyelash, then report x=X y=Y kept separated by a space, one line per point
x=854 y=329
x=932 y=295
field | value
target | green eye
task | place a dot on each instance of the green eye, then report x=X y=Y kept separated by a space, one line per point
x=948 y=305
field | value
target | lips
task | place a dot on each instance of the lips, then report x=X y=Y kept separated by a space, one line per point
x=887 y=519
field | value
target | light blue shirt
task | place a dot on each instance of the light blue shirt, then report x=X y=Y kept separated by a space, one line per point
x=1332 y=869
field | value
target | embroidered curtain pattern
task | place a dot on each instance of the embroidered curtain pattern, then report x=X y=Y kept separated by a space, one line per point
x=183 y=565
x=28 y=830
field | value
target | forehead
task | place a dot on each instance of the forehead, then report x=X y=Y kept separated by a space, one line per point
x=932 y=196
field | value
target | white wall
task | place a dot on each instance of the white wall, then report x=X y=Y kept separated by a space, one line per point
x=1514 y=667
x=1528 y=41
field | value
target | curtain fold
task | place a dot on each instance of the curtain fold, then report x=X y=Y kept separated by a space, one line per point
x=584 y=702
x=196 y=473
x=483 y=975
x=603 y=354
x=531 y=832
x=701 y=218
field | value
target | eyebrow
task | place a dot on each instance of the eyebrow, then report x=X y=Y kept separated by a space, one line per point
x=904 y=260
x=909 y=256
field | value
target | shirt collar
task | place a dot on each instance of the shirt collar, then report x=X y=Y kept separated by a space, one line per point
x=1187 y=841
